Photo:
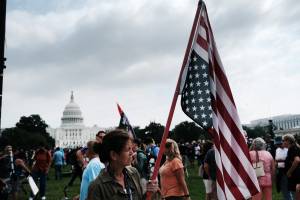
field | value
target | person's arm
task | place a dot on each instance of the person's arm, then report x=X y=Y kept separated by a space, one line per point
x=181 y=180
x=63 y=159
x=298 y=188
x=273 y=169
x=80 y=159
x=49 y=160
x=206 y=169
x=20 y=162
x=294 y=166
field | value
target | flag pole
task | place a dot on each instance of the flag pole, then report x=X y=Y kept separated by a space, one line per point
x=175 y=97
x=2 y=47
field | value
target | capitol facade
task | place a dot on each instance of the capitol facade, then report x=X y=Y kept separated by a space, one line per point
x=282 y=122
x=73 y=133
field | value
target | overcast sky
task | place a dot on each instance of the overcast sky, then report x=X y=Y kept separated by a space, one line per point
x=130 y=52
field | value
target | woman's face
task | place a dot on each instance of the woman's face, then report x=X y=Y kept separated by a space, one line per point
x=285 y=143
x=169 y=149
x=126 y=155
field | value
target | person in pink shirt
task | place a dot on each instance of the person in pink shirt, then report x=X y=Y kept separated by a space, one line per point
x=259 y=153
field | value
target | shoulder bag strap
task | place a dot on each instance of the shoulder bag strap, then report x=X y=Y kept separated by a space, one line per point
x=257 y=158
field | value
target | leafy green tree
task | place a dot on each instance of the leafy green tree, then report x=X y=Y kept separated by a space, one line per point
x=30 y=132
x=139 y=132
x=188 y=131
x=257 y=131
x=153 y=130
x=33 y=123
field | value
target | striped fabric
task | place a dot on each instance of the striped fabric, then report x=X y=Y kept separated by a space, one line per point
x=217 y=113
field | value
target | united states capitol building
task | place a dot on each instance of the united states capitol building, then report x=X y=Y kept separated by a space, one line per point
x=283 y=123
x=72 y=132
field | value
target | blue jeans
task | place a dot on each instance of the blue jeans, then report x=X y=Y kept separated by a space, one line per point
x=57 y=172
x=287 y=195
x=41 y=177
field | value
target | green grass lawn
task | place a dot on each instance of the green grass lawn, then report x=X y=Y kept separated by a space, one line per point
x=55 y=187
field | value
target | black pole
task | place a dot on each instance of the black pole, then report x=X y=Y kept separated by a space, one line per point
x=2 y=47
x=271 y=129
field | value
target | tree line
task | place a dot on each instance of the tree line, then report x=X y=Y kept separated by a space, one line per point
x=30 y=132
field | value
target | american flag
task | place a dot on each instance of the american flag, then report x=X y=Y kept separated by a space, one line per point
x=207 y=99
x=124 y=122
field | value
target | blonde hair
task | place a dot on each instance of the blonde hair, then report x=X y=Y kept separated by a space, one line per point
x=290 y=138
x=175 y=153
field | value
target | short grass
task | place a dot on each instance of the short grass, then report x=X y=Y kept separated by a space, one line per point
x=55 y=187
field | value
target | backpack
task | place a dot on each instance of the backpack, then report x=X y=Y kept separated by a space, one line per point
x=150 y=162
x=141 y=164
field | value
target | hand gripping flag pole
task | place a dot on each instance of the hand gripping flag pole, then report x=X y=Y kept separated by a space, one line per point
x=175 y=97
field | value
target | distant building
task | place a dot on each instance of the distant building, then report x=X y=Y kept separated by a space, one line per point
x=282 y=122
x=72 y=132
x=293 y=131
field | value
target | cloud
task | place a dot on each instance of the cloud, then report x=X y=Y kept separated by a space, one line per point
x=131 y=52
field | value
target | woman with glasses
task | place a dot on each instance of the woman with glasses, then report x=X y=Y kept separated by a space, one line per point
x=173 y=185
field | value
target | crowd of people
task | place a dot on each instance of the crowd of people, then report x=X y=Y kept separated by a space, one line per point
x=116 y=166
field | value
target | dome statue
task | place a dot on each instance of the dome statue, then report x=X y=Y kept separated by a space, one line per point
x=72 y=114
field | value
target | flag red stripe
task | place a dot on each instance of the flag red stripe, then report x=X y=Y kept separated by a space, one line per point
x=220 y=181
x=202 y=42
x=235 y=132
x=236 y=162
x=217 y=145
x=239 y=180
x=225 y=178
x=216 y=63
x=203 y=24
x=233 y=187
x=223 y=79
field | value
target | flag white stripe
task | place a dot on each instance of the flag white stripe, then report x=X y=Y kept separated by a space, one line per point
x=237 y=150
x=221 y=194
x=236 y=178
x=239 y=175
x=200 y=51
x=220 y=167
x=228 y=193
x=221 y=124
x=202 y=32
x=230 y=107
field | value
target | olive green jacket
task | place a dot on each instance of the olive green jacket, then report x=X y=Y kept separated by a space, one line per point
x=104 y=187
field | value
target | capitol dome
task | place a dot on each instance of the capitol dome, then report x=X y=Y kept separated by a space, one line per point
x=72 y=114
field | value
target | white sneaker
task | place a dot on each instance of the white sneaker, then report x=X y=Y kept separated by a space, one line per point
x=43 y=198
